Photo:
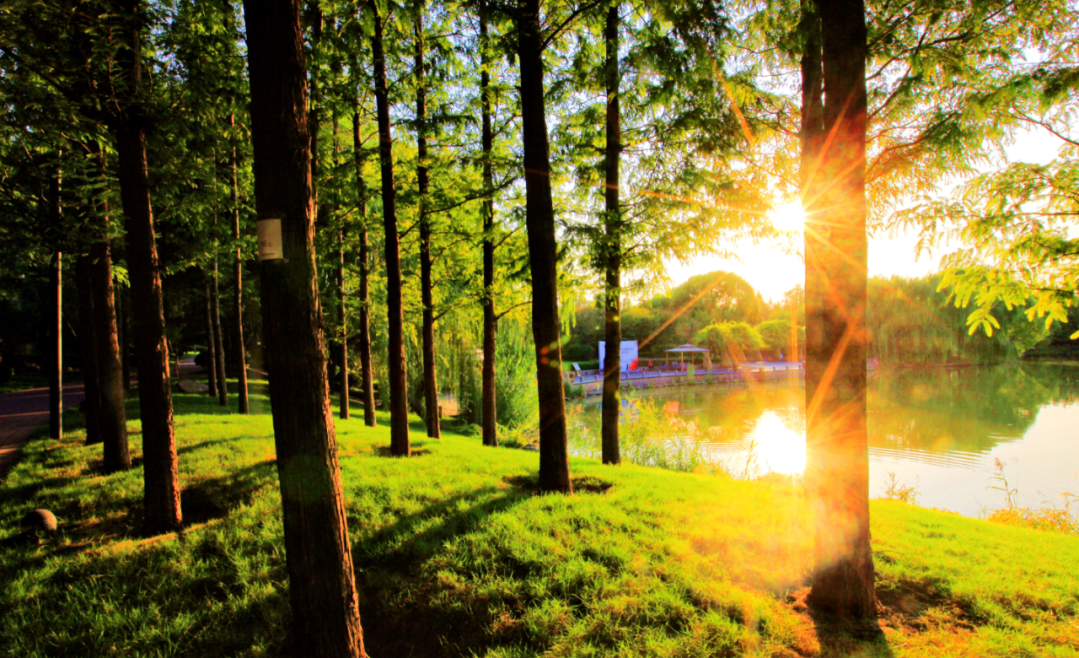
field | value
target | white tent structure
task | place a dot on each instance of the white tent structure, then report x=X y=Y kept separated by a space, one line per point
x=682 y=350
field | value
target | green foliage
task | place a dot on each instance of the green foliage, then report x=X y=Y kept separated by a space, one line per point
x=722 y=337
x=1016 y=228
x=911 y=321
x=713 y=337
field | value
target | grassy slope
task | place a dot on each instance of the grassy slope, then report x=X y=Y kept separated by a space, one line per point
x=454 y=556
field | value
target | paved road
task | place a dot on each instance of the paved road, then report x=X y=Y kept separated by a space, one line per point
x=21 y=413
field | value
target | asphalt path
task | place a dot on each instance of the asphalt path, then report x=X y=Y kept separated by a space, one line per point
x=23 y=412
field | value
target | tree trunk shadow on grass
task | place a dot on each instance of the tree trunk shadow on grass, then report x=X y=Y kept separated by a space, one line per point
x=905 y=606
x=209 y=499
x=397 y=610
x=844 y=637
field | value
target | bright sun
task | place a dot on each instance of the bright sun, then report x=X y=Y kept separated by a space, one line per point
x=788 y=217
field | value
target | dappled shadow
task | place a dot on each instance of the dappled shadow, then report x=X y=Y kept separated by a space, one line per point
x=387 y=560
x=907 y=604
x=905 y=609
x=839 y=637
x=384 y=451
x=209 y=443
x=530 y=484
x=213 y=498
x=97 y=466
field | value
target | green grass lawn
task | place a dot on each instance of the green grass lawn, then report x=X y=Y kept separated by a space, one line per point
x=455 y=556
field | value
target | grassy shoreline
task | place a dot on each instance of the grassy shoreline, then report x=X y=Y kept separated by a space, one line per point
x=456 y=557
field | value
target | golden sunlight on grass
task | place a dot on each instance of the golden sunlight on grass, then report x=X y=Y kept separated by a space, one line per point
x=788 y=217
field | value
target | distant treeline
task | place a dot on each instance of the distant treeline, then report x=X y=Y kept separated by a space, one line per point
x=909 y=321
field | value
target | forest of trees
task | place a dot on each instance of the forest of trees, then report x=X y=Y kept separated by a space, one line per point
x=433 y=185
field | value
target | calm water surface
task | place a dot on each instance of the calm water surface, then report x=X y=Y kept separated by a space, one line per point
x=941 y=431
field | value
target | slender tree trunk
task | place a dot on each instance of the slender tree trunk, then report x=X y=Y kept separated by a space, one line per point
x=364 y=340
x=344 y=323
x=490 y=321
x=612 y=250
x=543 y=254
x=837 y=462
x=237 y=282
x=160 y=472
x=92 y=398
x=398 y=401
x=211 y=346
x=123 y=328
x=113 y=415
x=430 y=383
x=322 y=590
x=341 y=295
x=219 y=362
x=162 y=501
x=56 y=322
x=219 y=339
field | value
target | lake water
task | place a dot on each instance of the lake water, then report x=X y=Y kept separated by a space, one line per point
x=941 y=431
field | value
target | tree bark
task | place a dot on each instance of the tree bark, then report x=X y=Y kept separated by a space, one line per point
x=837 y=457
x=427 y=330
x=113 y=415
x=398 y=401
x=92 y=398
x=219 y=339
x=211 y=346
x=366 y=378
x=612 y=250
x=56 y=322
x=344 y=323
x=161 y=504
x=322 y=590
x=543 y=254
x=430 y=383
x=123 y=330
x=490 y=321
x=237 y=282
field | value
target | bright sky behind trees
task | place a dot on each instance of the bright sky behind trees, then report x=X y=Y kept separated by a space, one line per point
x=773 y=270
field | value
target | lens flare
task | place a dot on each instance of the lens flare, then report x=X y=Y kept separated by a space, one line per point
x=788 y=217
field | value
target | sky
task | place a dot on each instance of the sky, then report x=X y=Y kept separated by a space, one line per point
x=773 y=272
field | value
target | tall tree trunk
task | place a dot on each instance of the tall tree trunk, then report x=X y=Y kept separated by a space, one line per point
x=113 y=416
x=219 y=339
x=56 y=321
x=322 y=590
x=237 y=282
x=92 y=398
x=490 y=321
x=398 y=401
x=123 y=328
x=211 y=346
x=160 y=471
x=430 y=383
x=612 y=250
x=344 y=404
x=837 y=462
x=364 y=340
x=341 y=295
x=543 y=254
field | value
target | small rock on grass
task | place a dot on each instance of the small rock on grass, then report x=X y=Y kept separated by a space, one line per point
x=40 y=520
